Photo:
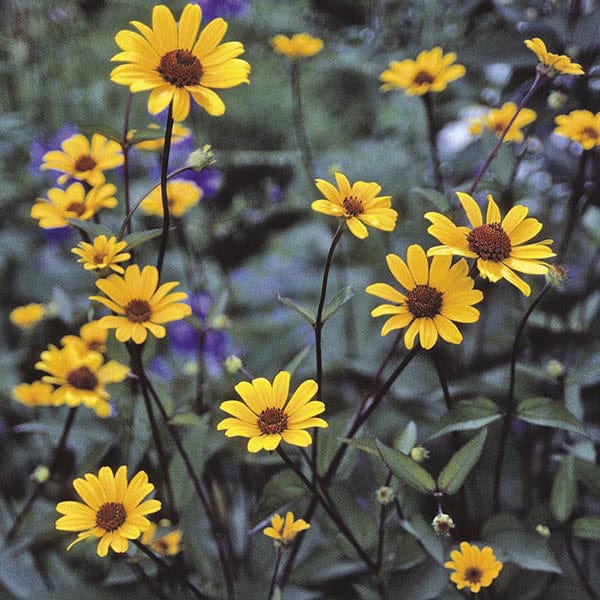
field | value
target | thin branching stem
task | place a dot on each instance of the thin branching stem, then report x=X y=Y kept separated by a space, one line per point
x=139 y=572
x=275 y=572
x=299 y=125
x=432 y=132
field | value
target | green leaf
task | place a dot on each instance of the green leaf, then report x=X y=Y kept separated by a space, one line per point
x=418 y=527
x=435 y=197
x=304 y=312
x=564 y=489
x=406 y=441
x=423 y=582
x=135 y=239
x=91 y=228
x=542 y=411
x=467 y=414
x=503 y=165
x=457 y=470
x=284 y=487
x=187 y=419
x=407 y=469
x=588 y=473
x=297 y=360
x=368 y=445
x=336 y=303
x=587 y=528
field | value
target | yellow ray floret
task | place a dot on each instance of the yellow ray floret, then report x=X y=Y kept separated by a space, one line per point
x=181 y=196
x=300 y=45
x=102 y=253
x=581 y=126
x=473 y=567
x=497 y=119
x=284 y=531
x=550 y=63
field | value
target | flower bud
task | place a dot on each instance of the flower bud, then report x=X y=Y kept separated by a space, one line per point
x=221 y=322
x=543 y=530
x=201 y=158
x=233 y=364
x=419 y=454
x=554 y=368
x=557 y=275
x=442 y=524
x=41 y=474
x=385 y=495
x=556 y=99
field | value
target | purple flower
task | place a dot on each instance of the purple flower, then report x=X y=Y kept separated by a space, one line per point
x=40 y=146
x=209 y=180
x=211 y=9
x=160 y=367
x=57 y=235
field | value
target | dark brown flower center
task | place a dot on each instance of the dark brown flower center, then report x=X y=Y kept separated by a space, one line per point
x=180 y=68
x=272 y=420
x=423 y=77
x=473 y=575
x=161 y=546
x=99 y=259
x=95 y=345
x=138 y=311
x=490 y=242
x=85 y=163
x=353 y=206
x=424 y=301
x=77 y=207
x=111 y=516
x=82 y=379
x=591 y=133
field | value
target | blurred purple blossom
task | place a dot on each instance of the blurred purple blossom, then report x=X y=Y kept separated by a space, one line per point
x=211 y=9
x=41 y=145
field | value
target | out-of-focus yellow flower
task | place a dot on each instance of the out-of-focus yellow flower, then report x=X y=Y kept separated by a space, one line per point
x=26 y=317
x=550 y=64
x=181 y=196
x=102 y=253
x=33 y=394
x=300 y=45
x=91 y=337
x=179 y=134
x=580 y=126
x=284 y=531
x=168 y=544
x=432 y=71
x=497 y=119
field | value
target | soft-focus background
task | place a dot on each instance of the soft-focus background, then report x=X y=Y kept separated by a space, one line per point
x=255 y=238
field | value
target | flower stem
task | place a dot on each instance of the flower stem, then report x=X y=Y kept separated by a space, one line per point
x=537 y=83
x=125 y=146
x=381 y=534
x=511 y=400
x=432 y=132
x=139 y=572
x=164 y=566
x=215 y=527
x=299 y=125
x=40 y=485
x=275 y=571
x=164 y=166
x=333 y=515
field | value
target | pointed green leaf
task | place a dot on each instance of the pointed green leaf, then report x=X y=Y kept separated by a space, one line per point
x=457 y=470
x=542 y=411
x=91 y=228
x=297 y=360
x=564 y=489
x=588 y=473
x=406 y=441
x=587 y=528
x=407 y=469
x=186 y=419
x=304 y=312
x=467 y=414
x=283 y=487
x=368 y=445
x=337 y=302
x=135 y=239
x=435 y=197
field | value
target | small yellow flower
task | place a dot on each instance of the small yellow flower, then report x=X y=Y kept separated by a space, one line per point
x=91 y=337
x=26 y=317
x=112 y=509
x=37 y=393
x=551 y=64
x=474 y=567
x=267 y=417
x=84 y=160
x=140 y=304
x=580 y=126
x=165 y=545
x=102 y=253
x=181 y=196
x=498 y=244
x=300 y=45
x=81 y=378
x=179 y=134
x=168 y=59
x=436 y=297
x=72 y=203
x=358 y=204
x=497 y=119
x=432 y=71
x=284 y=532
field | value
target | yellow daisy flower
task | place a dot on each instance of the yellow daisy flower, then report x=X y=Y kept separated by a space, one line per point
x=497 y=119
x=358 y=204
x=267 y=417
x=168 y=60
x=436 y=296
x=580 y=126
x=300 y=45
x=181 y=196
x=179 y=134
x=141 y=305
x=498 y=244
x=102 y=253
x=72 y=203
x=33 y=394
x=91 y=337
x=284 y=532
x=474 y=567
x=551 y=64
x=432 y=71
x=26 y=317
x=165 y=545
x=84 y=160
x=81 y=378
x=112 y=509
